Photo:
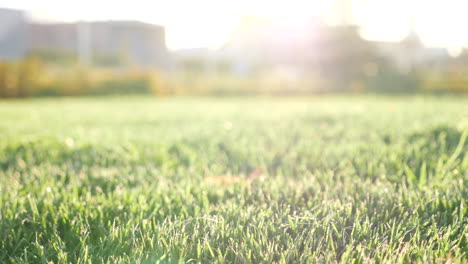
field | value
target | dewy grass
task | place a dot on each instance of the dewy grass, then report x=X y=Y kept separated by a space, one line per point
x=212 y=180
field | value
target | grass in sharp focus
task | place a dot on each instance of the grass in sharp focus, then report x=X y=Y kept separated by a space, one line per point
x=140 y=180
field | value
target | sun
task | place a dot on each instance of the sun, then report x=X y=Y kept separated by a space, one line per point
x=289 y=13
x=212 y=25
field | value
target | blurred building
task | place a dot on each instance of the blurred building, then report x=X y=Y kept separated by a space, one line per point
x=12 y=33
x=260 y=43
x=410 y=52
x=133 y=42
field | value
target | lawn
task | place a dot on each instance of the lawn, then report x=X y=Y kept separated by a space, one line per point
x=238 y=180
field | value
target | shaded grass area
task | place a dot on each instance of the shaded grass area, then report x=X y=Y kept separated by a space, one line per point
x=345 y=180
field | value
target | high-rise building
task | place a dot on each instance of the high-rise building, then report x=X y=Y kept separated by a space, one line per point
x=12 y=33
x=136 y=43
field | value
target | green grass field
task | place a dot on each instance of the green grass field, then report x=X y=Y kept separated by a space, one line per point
x=146 y=180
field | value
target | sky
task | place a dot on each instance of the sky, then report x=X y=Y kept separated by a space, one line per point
x=209 y=23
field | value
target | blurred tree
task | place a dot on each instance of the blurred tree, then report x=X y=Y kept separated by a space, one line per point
x=29 y=74
x=341 y=55
x=7 y=80
x=109 y=60
x=223 y=66
x=353 y=64
x=459 y=61
x=193 y=65
x=53 y=56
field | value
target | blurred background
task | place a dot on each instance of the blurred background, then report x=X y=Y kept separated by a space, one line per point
x=208 y=47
